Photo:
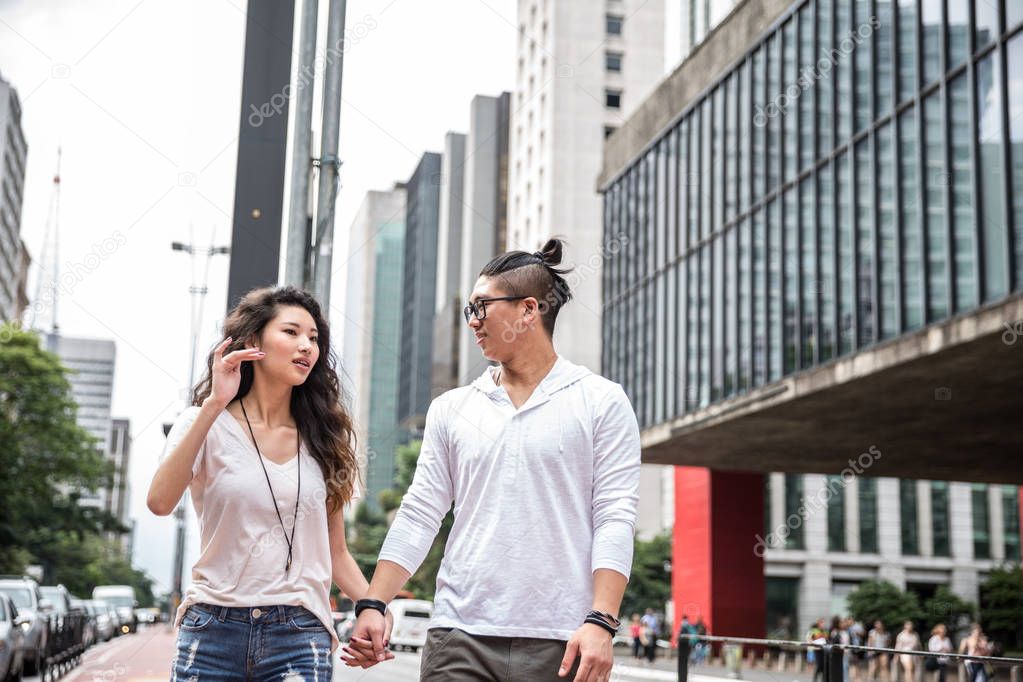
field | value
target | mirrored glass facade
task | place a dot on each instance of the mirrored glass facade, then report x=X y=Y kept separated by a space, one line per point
x=857 y=175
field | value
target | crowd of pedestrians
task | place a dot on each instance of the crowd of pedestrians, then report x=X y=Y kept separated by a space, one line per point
x=878 y=666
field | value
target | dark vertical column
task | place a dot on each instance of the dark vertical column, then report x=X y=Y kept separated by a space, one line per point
x=262 y=142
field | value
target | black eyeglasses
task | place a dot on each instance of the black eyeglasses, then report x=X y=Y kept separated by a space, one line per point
x=479 y=308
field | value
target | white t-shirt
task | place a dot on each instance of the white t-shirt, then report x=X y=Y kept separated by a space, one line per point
x=243 y=546
x=543 y=496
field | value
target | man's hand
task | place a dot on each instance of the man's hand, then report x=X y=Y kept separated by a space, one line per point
x=370 y=637
x=592 y=644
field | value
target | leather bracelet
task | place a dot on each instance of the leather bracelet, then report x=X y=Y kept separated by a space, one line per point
x=593 y=620
x=374 y=604
x=607 y=617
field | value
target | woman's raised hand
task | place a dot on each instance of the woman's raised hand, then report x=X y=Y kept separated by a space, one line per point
x=227 y=375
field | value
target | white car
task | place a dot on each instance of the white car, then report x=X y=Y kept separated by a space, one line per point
x=411 y=619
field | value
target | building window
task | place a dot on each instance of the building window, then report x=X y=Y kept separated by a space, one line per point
x=939 y=518
x=868 y=515
x=613 y=61
x=836 y=514
x=608 y=130
x=907 y=504
x=793 y=503
x=614 y=24
x=613 y=99
x=1010 y=516
x=981 y=522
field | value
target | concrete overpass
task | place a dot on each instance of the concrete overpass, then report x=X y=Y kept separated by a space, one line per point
x=944 y=403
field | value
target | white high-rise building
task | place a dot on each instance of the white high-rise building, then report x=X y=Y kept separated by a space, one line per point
x=688 y=22
x=583 y=66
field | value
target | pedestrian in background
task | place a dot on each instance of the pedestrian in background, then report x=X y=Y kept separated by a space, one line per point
x=939 y=643
x=976 y=644
x=636 y=631
x=908 y=640
x=267 y=451
x=541 y=458
x=877 y=661
x=839 y=636
x=814 y=655
x=857 y=658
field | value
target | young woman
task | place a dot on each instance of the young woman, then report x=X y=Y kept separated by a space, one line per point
x=878 y=661
x=267 y=452
x=939 y=643
x=908 y=640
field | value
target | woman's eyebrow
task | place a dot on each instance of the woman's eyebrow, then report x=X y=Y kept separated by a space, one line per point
x=298 y=325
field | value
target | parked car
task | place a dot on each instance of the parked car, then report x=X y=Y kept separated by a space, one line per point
x=411 y=618
x=114 y=616
x=101 y=616
x=88 y=624
x=344 y=623
x=122 y=598
x=12 y=640
x=36 y=609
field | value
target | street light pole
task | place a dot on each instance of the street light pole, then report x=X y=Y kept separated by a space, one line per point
x=198 y=300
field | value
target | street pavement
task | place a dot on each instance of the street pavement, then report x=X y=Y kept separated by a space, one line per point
x=146 y=656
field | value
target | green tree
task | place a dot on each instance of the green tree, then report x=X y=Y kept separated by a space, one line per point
x=948 y=608
x=45 y=459
x=883 y=601
x=1001 y=606
x=370 y=529
x=649 y=584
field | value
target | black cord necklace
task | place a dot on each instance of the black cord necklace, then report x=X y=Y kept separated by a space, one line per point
x=273 y=497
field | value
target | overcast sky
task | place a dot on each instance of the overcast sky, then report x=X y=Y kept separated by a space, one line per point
x=143 y=97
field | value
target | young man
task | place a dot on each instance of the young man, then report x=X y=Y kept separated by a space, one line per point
x=541 y=459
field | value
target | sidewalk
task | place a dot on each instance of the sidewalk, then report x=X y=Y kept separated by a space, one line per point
x=667 y=669
x=145 y=656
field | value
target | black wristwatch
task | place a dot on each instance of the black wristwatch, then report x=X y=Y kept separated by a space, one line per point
x=374 y=604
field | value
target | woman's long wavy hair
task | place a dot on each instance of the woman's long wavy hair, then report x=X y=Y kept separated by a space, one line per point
x=317 y=405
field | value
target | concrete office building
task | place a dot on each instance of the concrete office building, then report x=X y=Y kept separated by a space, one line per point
x=14 y=258
x=485 y=218
x=447 y=321
x=371 y=345
x=824 y=212
x=91 y=363
x=417 y=298
x=117 y=499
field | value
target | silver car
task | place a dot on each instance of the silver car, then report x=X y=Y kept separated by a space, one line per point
x=24 y=592
x=12 y=640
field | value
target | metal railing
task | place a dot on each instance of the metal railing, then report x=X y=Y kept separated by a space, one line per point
x=64 y=645
x=831 y=656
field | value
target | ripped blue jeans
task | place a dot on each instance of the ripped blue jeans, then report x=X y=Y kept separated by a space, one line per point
x=283 y=643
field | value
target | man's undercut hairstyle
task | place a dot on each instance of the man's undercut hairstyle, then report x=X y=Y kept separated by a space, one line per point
x=519 y=273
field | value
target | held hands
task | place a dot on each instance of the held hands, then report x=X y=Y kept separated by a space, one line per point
x=592 y=644
x=370 y=637
x=226 y=374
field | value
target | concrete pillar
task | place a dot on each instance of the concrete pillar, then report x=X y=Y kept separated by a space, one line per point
x=777 y=510
x=815 y=585
x=964 y=581
x=716 y=573
x=994 y=512
x=889 y=532
x=852 y=516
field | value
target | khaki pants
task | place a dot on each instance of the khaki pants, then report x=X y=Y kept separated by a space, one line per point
x=452 y=655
